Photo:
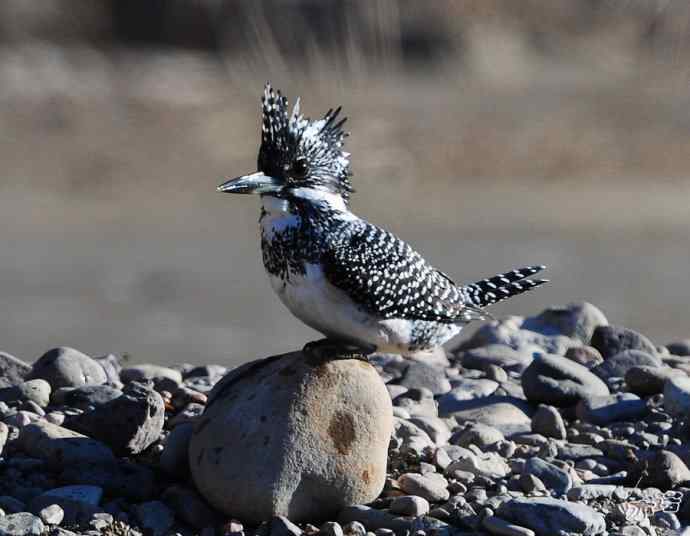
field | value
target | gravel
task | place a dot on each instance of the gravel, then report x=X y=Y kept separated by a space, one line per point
x=554 y=424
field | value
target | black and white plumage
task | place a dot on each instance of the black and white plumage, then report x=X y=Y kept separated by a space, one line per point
x=338 y=273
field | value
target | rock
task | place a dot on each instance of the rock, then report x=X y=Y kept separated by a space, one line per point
x=465 y=389
x=499 y=355
x=60 y=446
x=411 y=436
x=575 y=320
x=420 y=374
x=547 y=516
x=649 y=380
x=588 y=492
x=505 y=413
x=410 y=505
x=13 y=371
x=586 y=356
x=548 y=422
x=111 y=365
x=282 y=526
x=507 y=332
x=11 y=504
x=79 y=503
x=85 y=397
x=83 y=494
x=4 y=434
x=500 y=527
x=434 y=427
x=163 y=378
x=575 y=451
x=128 y=424
x=52 y=515
x=266 y=443
x=126 y=479
x=23 y=524
x=67 y=367
x=488 y=465
x=418 y=402
x=664 y=470
x=553 y=477
x=432 y=486
x=371 y=519
x=618 y=365
x=175 y=456
x=680 y=348
x=558 y=381
x=612 y=340
x=478 y=434
x=603 y=410
x=331 y=528
x=677 y=395
x=531 y=484
x=154 y=517
x=37 y=391
x=190 y=507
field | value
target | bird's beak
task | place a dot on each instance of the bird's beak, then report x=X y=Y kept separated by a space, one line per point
x=256 y=183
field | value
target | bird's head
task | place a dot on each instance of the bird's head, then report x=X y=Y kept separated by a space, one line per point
x=296 y=153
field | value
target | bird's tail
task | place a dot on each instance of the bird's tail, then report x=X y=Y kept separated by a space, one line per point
x=503 y=286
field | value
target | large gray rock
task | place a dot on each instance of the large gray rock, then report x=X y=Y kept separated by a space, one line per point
x=67 y=367
x=548 y=517
x=22 y=524
x=60 y=446
x=576 y=320
x=646 y=380
x=664 y=470
x=296 y=435
x=677 y=396
x=128 y=424
x=612 y=340
x=13 y=371
x=559 y=381
x=618 y=365
x=603 y=410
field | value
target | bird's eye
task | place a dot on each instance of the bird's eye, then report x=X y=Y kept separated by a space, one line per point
x=299 y=169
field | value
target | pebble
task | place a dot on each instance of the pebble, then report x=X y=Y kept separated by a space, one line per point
x=680 y=348
x=420 y=374
x=67 y=367
x=128 y=424
x=677 y=395
x=86 y=397
x=163 y=378
x=435 y=428
x=410 y=505
x=500 y=527
x=13 y=371
x=553 y=477
x=547 y=516
x=21 y=524
x=611 y=340
x=282 y=526
x=433 y=487
x=508 y=332
x=603 y=410
x=505 y=413
x=664 y=470
x=370 y=519
x=478 y=434
x=60 y=446
x=411 y=436
x=36 y=391
x=619 y=364
x=155 y=517
x=52 y=515
x=331 y=528
x=575 y=320
x=465 y=389
x=647 y=380
x=488 y=465
x=499 y=355
x=555 y=380
x=418 y=402
x=586 y=356
x=548 y=422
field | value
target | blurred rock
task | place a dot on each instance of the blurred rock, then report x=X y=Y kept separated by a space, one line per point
x=612 y=340
x=67 y=367
x=575 y=320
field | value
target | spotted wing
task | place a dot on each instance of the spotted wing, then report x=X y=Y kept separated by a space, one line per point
x=385 y=276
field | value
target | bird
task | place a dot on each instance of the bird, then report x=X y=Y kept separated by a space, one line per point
x=359 y=285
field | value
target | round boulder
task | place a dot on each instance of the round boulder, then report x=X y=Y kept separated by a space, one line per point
x=297 y=435
x=67 y=367
x=552 y=379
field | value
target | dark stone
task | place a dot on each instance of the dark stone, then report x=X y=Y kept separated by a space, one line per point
x=618 y=365
x=612 y=340
x=132 y=481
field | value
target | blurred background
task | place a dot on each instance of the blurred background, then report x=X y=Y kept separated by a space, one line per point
x=489 y=133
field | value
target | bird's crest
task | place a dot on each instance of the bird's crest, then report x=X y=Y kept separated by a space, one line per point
x=284 y=135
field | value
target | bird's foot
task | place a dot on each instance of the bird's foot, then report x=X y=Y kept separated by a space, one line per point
x=335 y=349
